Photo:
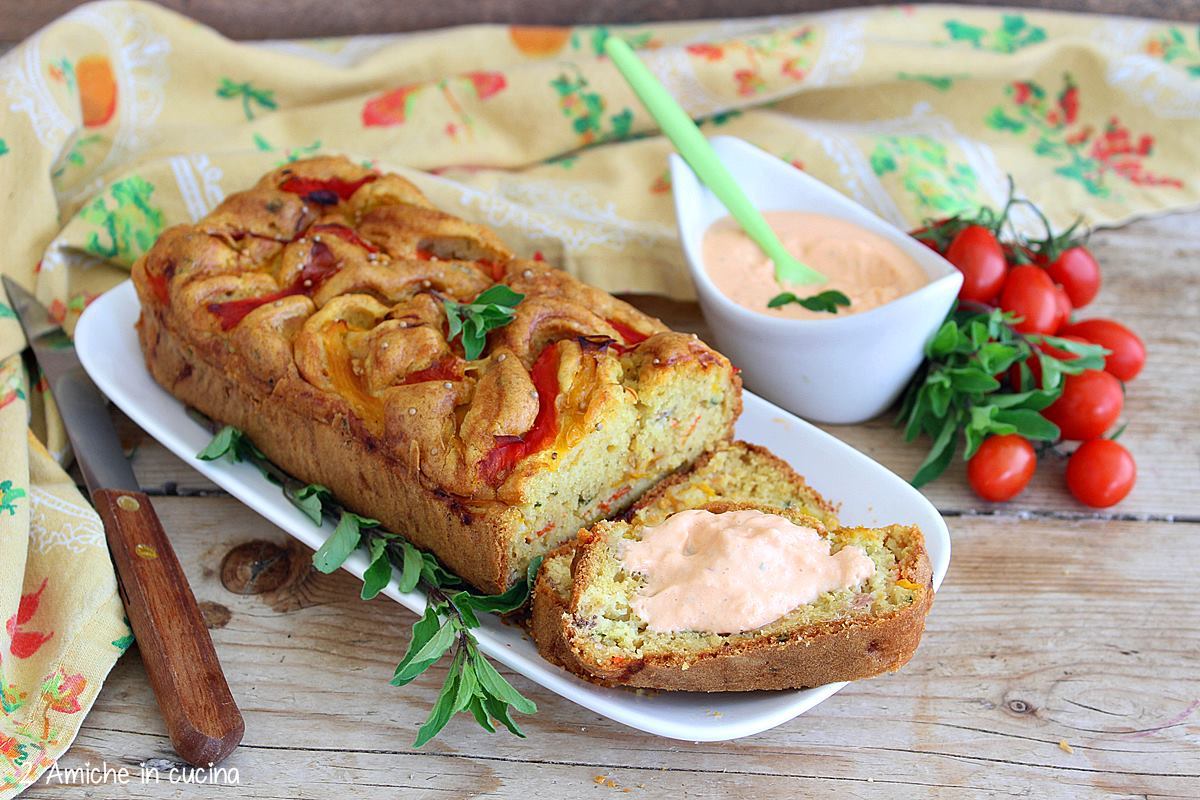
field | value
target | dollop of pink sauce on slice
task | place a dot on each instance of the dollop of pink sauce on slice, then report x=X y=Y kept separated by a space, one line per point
x=735 y=571
x=863 y=265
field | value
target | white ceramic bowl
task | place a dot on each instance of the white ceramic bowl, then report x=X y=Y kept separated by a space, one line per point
x=843 y=369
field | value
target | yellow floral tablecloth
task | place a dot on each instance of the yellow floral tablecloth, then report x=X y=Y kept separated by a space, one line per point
x=123 y=118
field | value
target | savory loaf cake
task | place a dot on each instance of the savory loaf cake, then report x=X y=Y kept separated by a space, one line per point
x=313 y=312
x=738 y=472
x=864 y=629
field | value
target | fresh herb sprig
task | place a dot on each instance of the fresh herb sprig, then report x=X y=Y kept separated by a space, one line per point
x=493 y=308
x=233 y=445
x=827 y=301
x=955 y=394
x=472 y=684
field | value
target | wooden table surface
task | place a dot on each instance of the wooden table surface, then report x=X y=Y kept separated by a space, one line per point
x=1056 y=624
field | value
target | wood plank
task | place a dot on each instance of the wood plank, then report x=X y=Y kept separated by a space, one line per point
x=290 y=19
x=1045 y=631
x=1148 y=284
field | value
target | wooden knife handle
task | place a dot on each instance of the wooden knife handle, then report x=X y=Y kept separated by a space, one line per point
x=202 y=718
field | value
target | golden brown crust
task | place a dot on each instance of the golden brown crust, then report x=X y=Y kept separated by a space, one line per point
x=812 y=655
x=335 y=456
x=308 y=311
x=354 y=289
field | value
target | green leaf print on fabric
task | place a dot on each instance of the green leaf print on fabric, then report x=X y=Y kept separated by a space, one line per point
x=3 y=147
x=290 y=154
x=1013 y=34
x=76 y=156
x=1174 y=47
x=721 y=118
x=123 y=643
x=942 y=83
x=586 y=110
x=926 y=172
x=9 y=495
x=129 y=223
x=594 y=38
x=249 y=95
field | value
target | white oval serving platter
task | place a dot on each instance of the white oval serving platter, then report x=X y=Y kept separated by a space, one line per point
x=869 y=494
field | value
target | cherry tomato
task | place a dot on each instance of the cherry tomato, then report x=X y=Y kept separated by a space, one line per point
x=1101 y=473
x=1076 y=269
x=979 y=258
x=1063 y=303
x=1001 y=467
x=1090 y=403
x=1035 y=364
x=1029 y=293
x=1128 y=354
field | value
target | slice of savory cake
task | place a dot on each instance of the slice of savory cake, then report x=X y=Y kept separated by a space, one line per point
x=325 y=311
x=865 y=596
x=733 y=471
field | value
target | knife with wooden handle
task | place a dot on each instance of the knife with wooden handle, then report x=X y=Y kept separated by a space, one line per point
x=202 y=718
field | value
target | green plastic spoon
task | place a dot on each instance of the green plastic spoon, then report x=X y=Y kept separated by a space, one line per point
x=703 y=160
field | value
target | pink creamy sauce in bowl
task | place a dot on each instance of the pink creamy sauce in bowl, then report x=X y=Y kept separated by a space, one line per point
x=866 y=267
x=843 y=368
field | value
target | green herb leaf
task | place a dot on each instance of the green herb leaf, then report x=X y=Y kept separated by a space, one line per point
x=494 y=308
x=1087 y=356
x=462 y=602
x=411 y=570
x=498 y=710
x=435 y=647
x=435 y=574
x=1034 y=399
x=467 y=686
x=940 y=393
x=995 y=357
x=495 y=685
x=342 y=542
x=423 y=630
x=501 y=296
x=311 y=500
x=481 y=716
x=827 y=301
x=232 y=444
x=220 y=445
x=379 y=574
x=944 y=341
x=511 y=600
x=1029 y=423
x=939 y=455
x=443 y=707
x=972 y=379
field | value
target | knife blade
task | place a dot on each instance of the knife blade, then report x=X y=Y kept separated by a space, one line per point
x=203 y=721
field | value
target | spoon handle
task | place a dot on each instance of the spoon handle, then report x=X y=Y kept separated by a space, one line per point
x=700 y=156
